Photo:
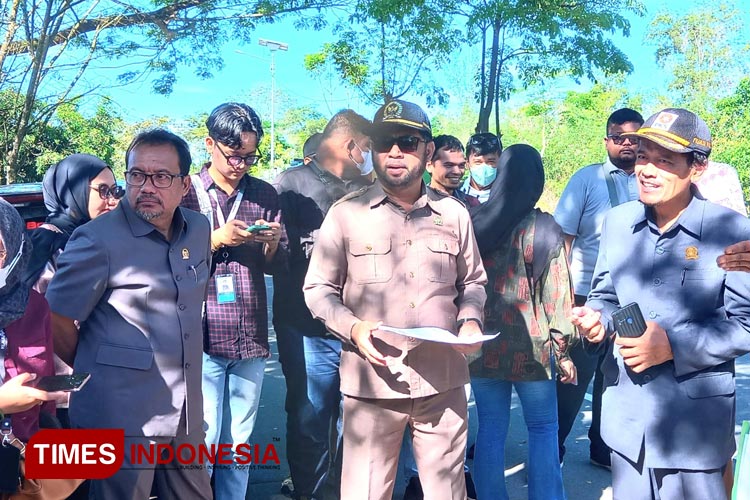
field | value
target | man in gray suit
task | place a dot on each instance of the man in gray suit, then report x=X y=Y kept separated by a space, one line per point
x=135 y=280
x=669 y=394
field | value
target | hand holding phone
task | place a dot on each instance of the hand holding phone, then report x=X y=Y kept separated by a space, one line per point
x=256 y=228
x=64 y=383
x=628 y=321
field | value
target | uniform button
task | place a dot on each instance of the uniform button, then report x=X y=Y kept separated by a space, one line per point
x=659 y=250
x=178 y=277
x=412 y=339
x=187 y=366
x=182 y=307
x=652 y=315
x=408 y=242
x=647 y=378
x=411 y=275
x=657 y=281
x=368 y=247
x=186 y=336
x=411 y=304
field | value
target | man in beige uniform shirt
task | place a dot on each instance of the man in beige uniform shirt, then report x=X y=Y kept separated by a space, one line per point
x=399 y=255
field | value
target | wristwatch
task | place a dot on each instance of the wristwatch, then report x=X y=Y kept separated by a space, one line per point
x=461 y=322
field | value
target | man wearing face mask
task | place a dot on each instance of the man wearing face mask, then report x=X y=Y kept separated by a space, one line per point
x=482 y=152
x=309 y=355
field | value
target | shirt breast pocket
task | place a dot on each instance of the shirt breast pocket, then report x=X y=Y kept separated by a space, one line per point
x=441 y=259
x=371 y=261
x=702 y=288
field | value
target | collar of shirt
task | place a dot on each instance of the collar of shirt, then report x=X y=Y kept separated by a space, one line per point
x=141 y=227
x=428 y=197
x=691 y=219
x=208 y=181
x=610 y=167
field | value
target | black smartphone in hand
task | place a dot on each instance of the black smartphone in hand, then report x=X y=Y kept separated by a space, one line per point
x=628 y=321
x=65 y=383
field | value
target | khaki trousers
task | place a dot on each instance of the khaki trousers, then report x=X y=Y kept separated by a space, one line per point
x=374 y=429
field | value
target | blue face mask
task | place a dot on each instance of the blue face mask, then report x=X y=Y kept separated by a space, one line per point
x=483 y=174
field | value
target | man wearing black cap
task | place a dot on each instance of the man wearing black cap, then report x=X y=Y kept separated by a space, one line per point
x=396 y=254
x=669 y=398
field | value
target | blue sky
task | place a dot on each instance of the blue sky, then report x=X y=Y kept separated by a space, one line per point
x=250 y=70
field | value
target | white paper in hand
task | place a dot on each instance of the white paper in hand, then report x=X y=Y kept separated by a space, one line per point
x=434 y=334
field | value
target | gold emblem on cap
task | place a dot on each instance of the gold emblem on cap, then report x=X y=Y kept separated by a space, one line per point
x=185 y=254
x=691 y=253
x=438 y=221
x=392 y=110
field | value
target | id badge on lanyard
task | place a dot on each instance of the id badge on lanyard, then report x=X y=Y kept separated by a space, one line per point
x=225 y=290
x=225 y=283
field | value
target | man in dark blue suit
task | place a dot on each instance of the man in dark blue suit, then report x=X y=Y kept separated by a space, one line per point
x=669 y=400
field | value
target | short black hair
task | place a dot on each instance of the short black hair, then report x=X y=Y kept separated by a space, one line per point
x=311 y=144
x=347 y=121
x=228 y=121
x=484 y=143
x=624 y=115
x=158 y=137
x=447 y=142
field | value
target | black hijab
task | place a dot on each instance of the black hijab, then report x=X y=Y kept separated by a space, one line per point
x=15 y=294
x=514 y=194
x=66 y=189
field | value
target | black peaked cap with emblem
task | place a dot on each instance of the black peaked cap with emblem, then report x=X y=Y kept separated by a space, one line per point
x=677 y=130
x=401 y=113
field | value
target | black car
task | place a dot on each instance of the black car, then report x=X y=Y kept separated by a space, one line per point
x=28 y=200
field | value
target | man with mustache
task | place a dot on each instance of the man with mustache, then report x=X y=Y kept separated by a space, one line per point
x=669 y=404
x=400 y=255
x=135 y=279
x=590 y=193
x=447 y=167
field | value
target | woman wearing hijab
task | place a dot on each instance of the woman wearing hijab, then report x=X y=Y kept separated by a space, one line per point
x=25 y=334
x=79 y=188
x=528 y=301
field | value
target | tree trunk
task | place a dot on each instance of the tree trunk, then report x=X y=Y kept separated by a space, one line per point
x=483 y=124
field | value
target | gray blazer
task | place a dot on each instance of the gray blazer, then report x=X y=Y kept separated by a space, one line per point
x=680 y=414
x=138 y=298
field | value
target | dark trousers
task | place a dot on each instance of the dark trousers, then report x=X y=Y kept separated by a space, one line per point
x=313 y=401
x=570 y=398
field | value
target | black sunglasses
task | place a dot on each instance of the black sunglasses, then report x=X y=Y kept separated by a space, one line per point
x=620 y=139
x=106 y=191
x=237 y=160
x=405 y=143
x=484 y=142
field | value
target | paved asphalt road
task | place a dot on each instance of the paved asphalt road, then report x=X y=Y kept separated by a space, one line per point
x=583 y=481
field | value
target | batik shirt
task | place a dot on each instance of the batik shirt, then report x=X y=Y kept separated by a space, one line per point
x=533 y=319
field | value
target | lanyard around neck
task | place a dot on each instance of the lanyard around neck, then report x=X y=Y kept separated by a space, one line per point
x=235 y=207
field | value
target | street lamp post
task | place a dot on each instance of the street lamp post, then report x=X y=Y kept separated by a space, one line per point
x=273 y=47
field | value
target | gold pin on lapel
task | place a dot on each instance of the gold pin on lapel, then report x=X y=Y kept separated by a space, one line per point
x=438 y=221
x=691 y=253
x=185 y=254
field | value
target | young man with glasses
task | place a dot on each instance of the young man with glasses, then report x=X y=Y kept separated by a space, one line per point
x=399 y=255
x=482 y=153
x=135 y=280
x=590 y=193
x=235 y=327
x=309 y=354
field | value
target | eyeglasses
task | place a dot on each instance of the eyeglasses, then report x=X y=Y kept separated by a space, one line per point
x=237 y=160
x=405 y=143
x=484 y=142
x=105 y=191
x=161 y=180
x=620 y=139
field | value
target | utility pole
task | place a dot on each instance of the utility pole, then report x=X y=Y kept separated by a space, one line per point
x=273 y=47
